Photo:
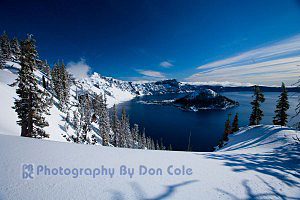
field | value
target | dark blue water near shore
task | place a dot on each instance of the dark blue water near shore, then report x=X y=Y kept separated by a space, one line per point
x=206 y=126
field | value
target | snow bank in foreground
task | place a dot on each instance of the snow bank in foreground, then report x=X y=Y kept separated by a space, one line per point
x=259 y=162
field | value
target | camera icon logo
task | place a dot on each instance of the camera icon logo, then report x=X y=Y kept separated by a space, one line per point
x=27 y=171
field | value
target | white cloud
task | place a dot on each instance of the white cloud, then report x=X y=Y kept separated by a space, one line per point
x=152 y=74
x=166 y=64
x=268 y=72
x=216 y=83
x=271 y=64
x=79 y=69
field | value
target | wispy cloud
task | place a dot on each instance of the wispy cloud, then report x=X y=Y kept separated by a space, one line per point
x=166 y=64
x=79 y=69
x=270 y=64
x=151 y=74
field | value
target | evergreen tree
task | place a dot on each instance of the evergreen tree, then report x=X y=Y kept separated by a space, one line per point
x=61 y=85
x=124 y=129
x=162 y=147
x=15 y=49
x=227 y=131
x=147 y=143
x=170 y=148
x=143 y=142
x=55 y=80
x=115 y=126
x=257 y=113
x=135 y=135
x=157 y=145
x=5 y=46
x=32 y=103
x=94 y=140
x=76 y=125
x=2 y=60
x=104 y=121
x=85 y=117
x=139 y=141
x=104 y=125
x=44 y=82
x=130 y=141
x=47 y=70
x=282 y=106
x=65 y=84
x=235 y=123
x=152 y=144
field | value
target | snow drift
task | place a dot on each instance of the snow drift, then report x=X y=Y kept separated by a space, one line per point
x=260 y=162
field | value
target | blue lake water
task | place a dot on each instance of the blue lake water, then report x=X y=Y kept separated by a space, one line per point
x=206 y=126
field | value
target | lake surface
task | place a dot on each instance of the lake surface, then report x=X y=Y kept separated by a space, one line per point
x=206 y=126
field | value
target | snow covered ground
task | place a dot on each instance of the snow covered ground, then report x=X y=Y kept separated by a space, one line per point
x=261 y=162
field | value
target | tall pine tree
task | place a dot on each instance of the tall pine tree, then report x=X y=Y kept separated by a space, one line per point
x=257 y=113
x=115 y=126
x=124 y=129
x=32 y=103
x=235 y=123
x=15 y=49
x=2 y=60
x=227 y=131
x=5 y=46
x=282 y=106
x=61 y=85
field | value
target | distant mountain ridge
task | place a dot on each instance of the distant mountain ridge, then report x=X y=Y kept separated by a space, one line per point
x=136 y=88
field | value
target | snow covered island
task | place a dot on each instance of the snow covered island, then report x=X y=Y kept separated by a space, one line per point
x=204 y=99
x=201 y=99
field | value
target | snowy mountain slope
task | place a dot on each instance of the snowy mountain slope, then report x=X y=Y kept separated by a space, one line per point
x=8 y=94
x=259 y=162
x=8 y=115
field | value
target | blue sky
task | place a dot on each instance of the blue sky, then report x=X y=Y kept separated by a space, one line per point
x=254 y=41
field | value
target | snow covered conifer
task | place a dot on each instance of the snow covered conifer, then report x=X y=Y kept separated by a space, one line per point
x=152 y=144
x=104 y=125
x=257 y=113
x=2 y=60
x=227 y=131
x=235 y=123
x=15 y=49
x=100 y=109
x=135 y=133
x=148 y=142
x=162 y=147
x=5 y=46
x=44 y=82
x=76 y=124
x=94 y=140
x=65 y=84
x=157 y=145
x=31 y=104
x=115 y=125
x=124 y=129
x=130 y=141
x=281 y=108
x=47 y=70
x=61 y=84
x=144 y=141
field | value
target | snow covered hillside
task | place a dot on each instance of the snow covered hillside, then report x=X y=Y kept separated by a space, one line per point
x=260 y=162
